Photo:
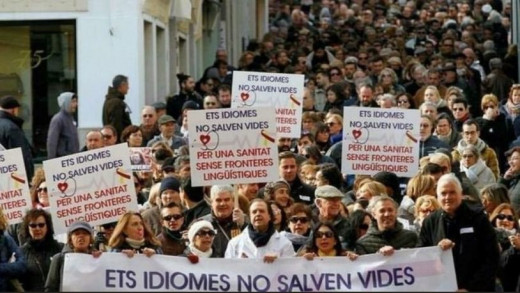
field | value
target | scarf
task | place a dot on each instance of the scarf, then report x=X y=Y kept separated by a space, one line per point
x=480 y=145
x=135 y=244
x=296 y=239
x=474 y=171
x=40 y=245
x=175 y=235
x=512 y=109
x=260 y=238
x=201 y=253
x=331 y=253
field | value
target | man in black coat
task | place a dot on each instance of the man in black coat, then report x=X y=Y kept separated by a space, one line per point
x=467 y=231
x=115 y=111
x=11 y=133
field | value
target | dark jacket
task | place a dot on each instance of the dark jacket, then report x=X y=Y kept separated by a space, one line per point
x=115 y=110
x=475 y=253
x=513 y=185
x=430 y=145
x=223 y=235
x=171 y=242
x=302 y=192
x=53 y=282
x=38 y=255
x=509 y=271
x=201 y=209
x=174 y=104
x=343 y=227
x=12 y=136
x=10 y=270
x=62 y=138
x=375 y=239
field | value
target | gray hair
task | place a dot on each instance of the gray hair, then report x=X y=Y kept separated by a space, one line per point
x=449 y=178
x=472 y=149
x=216 y=189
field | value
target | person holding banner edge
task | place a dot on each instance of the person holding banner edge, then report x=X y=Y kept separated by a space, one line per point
x=132 y=236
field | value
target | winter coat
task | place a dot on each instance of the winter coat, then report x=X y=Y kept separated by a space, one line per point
x=201 y=209
x=171 y=245
x=12 y=136
x=243 y=247
x=223 y=228
x=62 y=138
x=38 y=256
x=513 y=185
x=177 y=141
x=174 y=104
x=487 y=155
x=475 y=252
x=343 y=227
x=479 y=174
x=115 y=111
x=10 y=270
x=375 y=239
x=430 y=145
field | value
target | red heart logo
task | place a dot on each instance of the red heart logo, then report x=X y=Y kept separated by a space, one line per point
x=356 y=133
x=204 y=138
x=62 y=186
x=244 y=96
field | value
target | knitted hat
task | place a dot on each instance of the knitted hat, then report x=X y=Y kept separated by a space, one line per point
x=169 y=183
x=196 y=226
x=271 y=187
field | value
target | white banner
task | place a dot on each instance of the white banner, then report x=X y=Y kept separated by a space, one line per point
x=377 y=140
x=94 y=186
x=232 y=146
x=279 y=90
x=421 y=269
x=15 y=197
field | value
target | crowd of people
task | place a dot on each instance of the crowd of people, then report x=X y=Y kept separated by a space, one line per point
x=450 y=59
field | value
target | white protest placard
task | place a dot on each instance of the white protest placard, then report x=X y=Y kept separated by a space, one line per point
x=15 y=197
x=420 y=269
x=376 y=139
x=232 y=146
x=279 y=90
x=95 y=186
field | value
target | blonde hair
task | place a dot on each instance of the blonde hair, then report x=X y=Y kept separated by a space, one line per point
x=118 y=236
x=374 y=188
x=435 y=92
x=418 y=185
x=3 y=220
x=489 y=98
x=428 y=199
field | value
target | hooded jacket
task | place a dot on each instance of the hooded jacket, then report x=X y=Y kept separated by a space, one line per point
x=62 y=138
x=12 y=136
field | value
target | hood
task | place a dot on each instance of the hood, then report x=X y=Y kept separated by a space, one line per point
x=64 y=100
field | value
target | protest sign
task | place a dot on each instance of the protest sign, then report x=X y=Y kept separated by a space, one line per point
x=232 y=146
x=420 y=269
x=376 y=139
x=140 y=158
x=15 y=197
x=94 y=186
x=282 y=91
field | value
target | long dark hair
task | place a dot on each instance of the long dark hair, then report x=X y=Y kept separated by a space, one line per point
x=311 y=244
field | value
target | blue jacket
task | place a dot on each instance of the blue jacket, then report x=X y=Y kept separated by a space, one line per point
x=9 y=270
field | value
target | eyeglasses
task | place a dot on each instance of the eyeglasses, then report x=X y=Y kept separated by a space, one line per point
x=295 y=220
x=203 y=233
x=44 y=189
x=363 y=227
x=39 y=225
x=174 y=217
x=328 y=234
x=457 y=109
x=147 y=115
x=504 y=217
x=334 y=73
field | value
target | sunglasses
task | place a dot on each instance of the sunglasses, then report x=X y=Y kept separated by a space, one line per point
x=210 y=103
x=504 y=217
x=203 y=233
x=106 y=136
x=334 y=73
x=39 y=225
x=147 y=116
x=174 y=217
x=328 y=234
x=44 y=189
x=330 y=123
x=458 y=109
x=302 y=220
